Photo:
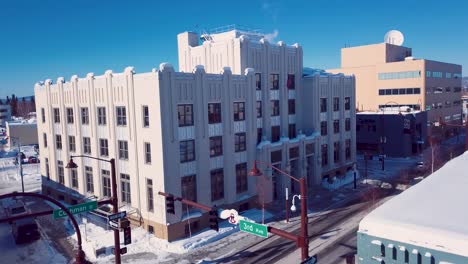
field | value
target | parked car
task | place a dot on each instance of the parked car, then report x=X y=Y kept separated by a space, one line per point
x=15 y=208
x=33 y=159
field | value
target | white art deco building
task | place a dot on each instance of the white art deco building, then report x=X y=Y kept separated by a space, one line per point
x=195 y=133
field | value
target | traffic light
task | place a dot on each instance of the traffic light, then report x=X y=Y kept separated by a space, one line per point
x=170 y=205
x=127 y=235
x=214 y=220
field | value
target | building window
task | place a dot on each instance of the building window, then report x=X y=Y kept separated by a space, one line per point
x=84 y=116
x=106 y=183
x=324 y=154
x=103 y=147
x=216 y=146
x=309 y=149
x=58 y=141
x=336 y=151
x=275 y=133
x=89 y=179
x=71 y=143
x=275 y=108
x=56 y=115
x=101 y=116
x=121 y=115
x=291 y=106
x=74 y=178
x=336 y=104
x=348 y=124
x=44 y=135
x=259 y=135
x=274 y=81
x=259 y=109
x=323 y=105
x=43 y=115
x=241 y=178
x=428 y=73
x=70 y=119
x=276 y=156
x=448 y=75
x=323 y=128
x=147 y=153
x=348 y=149
x=189 y=187
x=145 y=111
x=47 y=168
x=87 y=145
x=291 y=83
x=187 y=150
x=217 y=184
x=149 y=194
x=292 y=131
x=336 y=126
x=258 y=81
x=214 y=113
x=417 y=90
x=399 y=75
x=150 y=229
x=293 y=153
x=239 y=111
x=239 y=142
x=125 y=188
x=185 y=114
x=347 y=103
x=123 y=150
x=60 y=172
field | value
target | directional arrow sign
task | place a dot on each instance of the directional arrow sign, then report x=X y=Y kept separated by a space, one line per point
x=117 y=215
x=253 y=228
x=76 y=209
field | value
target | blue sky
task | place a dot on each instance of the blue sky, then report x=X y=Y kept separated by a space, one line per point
x=41 y=39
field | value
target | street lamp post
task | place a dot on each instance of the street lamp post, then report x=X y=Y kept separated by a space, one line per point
x=303 y=239
x=115 y=208
x=19 y=158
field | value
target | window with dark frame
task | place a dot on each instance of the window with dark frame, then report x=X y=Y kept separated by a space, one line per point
x=106 y=183
x=274 y=81
x=60 y=172
x=259 y=135
x=44 y=135
x=324 y=152
x=275 y=108
x=56 y=115
x=323 y=105
x=323 y=128
x=102 y=120
x=43 y=115
x=58 y=141
x=149 y=195
x=103 y=147
x=275 y=156
x=214 y=113
x=121 y=115
x=258 y=81
x=348 y=124
x=89 y=179
x=294 y=152
x=187 y=151
x=86 y=145
x=185 y=115
x=240 y=142
x=145 y=112
x=217 y=184
x=147 y=153
x=259 y=109
x=70 y=119
x=347 y=104
x=336 y=126
x=71 y=144
x=292 y=131
x=336 y=151
x=74 y=178
x=275 y=133
x=291 y=83
x=336 y=104
x=123 y=149
x=189 y=187
x=291 y=106
x=216 y=146
x=241 y=178
x=84 y=116
x=239 y=111
x=309 y=149
x=125 y=188
x=348 y=149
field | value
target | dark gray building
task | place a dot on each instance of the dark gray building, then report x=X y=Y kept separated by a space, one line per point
x=394 y=132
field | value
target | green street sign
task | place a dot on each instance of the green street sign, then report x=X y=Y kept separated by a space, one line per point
x=76 y=209
x=253 y=228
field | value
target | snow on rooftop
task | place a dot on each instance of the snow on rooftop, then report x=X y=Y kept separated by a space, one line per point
x=431 y=214
x=403 y=110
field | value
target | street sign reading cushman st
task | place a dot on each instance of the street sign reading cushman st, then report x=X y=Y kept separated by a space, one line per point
x=253 y=228
x=76 y=209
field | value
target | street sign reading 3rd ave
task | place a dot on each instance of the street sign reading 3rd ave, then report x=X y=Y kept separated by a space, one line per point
x=253 y=228
x=76 y=209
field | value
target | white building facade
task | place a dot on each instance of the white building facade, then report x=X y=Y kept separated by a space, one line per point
x=193 y=133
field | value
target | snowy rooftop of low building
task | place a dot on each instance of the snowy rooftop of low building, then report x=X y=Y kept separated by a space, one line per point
x=403 y=110
x=31 y=121
x=432 y=214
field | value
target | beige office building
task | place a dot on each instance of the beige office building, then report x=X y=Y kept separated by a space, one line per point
x=388 y=75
